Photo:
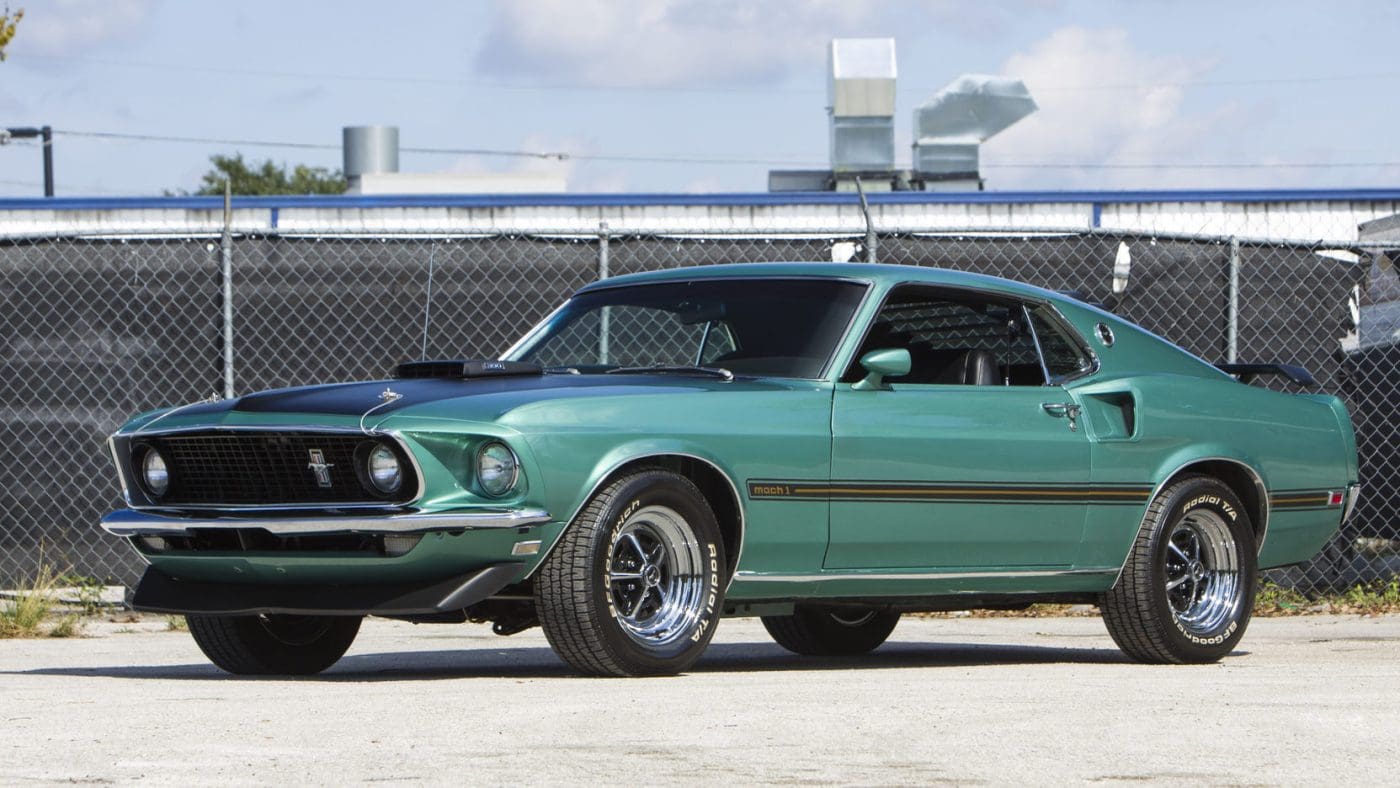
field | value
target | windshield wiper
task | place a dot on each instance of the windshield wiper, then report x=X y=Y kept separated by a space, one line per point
x=674 y=369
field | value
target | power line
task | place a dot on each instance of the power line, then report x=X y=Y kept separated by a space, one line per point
x=565 y=156
x=546 y=155
x=1321 y=165
x=181 y=68
x=411 y=80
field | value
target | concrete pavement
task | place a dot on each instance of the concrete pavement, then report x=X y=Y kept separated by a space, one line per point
x=969 y=701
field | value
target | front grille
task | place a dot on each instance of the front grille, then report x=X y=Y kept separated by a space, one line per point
x=246 y=468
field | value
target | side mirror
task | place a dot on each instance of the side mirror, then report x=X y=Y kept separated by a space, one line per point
x=881 y=363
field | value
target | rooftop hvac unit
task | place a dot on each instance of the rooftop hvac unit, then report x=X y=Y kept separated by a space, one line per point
x=950 y=128
x=861 y=96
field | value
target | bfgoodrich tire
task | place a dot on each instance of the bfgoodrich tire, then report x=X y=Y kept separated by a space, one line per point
x=635 y=585
x=274 y=645
x=1187 y=590
x=831 y=632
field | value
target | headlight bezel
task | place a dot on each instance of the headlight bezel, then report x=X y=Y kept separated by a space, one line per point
x=393 y=470
x=364 y=458
x=142 y=454
x=512 y=485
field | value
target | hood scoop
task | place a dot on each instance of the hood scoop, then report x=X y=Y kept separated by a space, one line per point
x=465 y=369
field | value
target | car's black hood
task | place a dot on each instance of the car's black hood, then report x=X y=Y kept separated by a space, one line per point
x=471 y=399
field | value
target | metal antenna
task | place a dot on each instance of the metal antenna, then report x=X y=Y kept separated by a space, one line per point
x=428 y=301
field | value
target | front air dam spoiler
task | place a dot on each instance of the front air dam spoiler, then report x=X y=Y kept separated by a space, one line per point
x=160 y=593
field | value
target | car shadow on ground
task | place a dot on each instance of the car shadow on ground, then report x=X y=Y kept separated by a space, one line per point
x=541 y=663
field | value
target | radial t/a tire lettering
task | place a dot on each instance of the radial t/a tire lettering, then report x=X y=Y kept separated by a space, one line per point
x=1186 y=592
x=635 y=585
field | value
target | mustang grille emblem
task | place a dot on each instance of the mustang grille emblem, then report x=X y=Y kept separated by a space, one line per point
x=320 y=467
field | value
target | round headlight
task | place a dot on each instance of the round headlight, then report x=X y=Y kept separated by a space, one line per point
x=384 y=471
x=497 y=469
x=154 y=473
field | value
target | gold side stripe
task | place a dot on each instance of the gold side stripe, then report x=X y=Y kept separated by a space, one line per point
x=1312 y=500
x=972 y=492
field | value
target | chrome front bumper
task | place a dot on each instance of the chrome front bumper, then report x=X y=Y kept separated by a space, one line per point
x=130 y=522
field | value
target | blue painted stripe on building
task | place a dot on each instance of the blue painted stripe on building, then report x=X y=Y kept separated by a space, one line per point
x=754 y=199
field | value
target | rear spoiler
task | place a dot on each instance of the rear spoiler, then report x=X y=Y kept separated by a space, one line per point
x=1248 y=372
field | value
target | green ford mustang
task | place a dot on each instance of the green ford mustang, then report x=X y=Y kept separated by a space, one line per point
x=822 y=445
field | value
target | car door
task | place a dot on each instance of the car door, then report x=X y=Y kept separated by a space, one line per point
x=974 y=459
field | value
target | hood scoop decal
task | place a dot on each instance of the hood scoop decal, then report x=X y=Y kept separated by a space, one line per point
x=465 y=369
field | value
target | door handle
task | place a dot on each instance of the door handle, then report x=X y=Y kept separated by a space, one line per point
x=1064 y=409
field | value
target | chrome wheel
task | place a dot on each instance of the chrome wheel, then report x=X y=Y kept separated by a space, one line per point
x=1203 y=581
x=655 y=576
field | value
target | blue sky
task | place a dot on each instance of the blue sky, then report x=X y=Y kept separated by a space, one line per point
x=1128 y=91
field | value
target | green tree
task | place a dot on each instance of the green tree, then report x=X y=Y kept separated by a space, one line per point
x=8 y=21
x=268 y=178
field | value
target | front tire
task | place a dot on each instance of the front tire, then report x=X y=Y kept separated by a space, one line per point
x=635 y=585
x=831 y=632
x=1187 y=590
x=273 y=645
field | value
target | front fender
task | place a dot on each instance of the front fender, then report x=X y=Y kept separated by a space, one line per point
x=572 y=491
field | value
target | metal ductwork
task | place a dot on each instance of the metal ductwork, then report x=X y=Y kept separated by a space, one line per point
x=861 y=96
x=950 y=128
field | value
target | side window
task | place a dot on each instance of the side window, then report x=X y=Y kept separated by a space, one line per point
x=624 y=335
x=954 y=339
x=630 y=336
x=1064 y=357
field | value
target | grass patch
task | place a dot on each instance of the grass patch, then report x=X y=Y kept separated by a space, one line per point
x=69 y=626
x=53 y=604
x=1381 y=597
x=23 y=615
x=176 y=624
x=87 y=590
x=1365 y=599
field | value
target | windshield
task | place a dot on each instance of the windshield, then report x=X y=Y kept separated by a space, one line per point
x=760 y=327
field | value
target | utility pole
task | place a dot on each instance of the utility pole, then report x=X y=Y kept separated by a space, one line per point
x=45 y=135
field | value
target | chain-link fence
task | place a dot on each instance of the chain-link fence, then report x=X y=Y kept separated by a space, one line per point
x=97 y=329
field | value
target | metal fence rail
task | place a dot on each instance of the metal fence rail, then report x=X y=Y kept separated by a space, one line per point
x=97 y=329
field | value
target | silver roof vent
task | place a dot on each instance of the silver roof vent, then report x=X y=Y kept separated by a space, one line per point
x=369 y=150
x=950 y=127
x=861 y=95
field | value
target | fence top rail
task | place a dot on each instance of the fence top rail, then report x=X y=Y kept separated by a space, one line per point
x=216 y=203
x=622 y=233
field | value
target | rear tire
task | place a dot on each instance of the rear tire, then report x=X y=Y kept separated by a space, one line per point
x=1187 y=590
x=831 y=632
x=273 y=645
x=635 y=585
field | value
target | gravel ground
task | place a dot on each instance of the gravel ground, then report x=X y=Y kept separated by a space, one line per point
x=1305 y=700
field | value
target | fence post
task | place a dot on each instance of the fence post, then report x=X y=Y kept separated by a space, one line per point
x=1232 y=330
x=871 y=241
x=604 y=322
x=226 y=255
x=602 y=250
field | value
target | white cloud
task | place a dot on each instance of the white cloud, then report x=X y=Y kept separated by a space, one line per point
x=1103 y=101
x=72 y=27
x=581 y=175
x=666 y=42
